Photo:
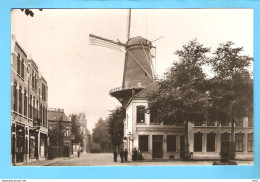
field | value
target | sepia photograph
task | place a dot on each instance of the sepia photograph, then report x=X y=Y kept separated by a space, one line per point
x=132 y=87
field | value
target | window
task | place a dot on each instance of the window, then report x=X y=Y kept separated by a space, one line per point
x=239 y=122
x=210 y=123
x=211 y=142
x=140 y=114
x=30 y=107
x=171 y=143
x=198 y=142
x=225 y=123
x=15 y=97
x=40 y=117
x=46 y=116
x=37 y=111
x=250 y=142
x=250 y=122
x=25 y=104
x=20 y=100
x=18 y=64
x=143 y=143
x=152 y=116
x=34 y=109
x=22 y=67
x=66 y=133
x=43 y=115
x=198 y=123
x=239 y=142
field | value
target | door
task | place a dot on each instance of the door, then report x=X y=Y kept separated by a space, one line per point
x=225 y=144
x=182 y=146
x=157 y=146
x=19 y=147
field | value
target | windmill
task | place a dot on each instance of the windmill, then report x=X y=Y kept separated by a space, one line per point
x=138 y=67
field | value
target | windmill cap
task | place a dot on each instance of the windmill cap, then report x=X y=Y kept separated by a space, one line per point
x=138 y=40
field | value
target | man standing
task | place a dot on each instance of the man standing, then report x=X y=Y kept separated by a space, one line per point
x=115 y=155
x=125 y=155
x=135 y=154
x=122 y=155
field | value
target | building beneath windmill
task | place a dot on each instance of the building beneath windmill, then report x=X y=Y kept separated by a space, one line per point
x=166 y=139
x=29 y=104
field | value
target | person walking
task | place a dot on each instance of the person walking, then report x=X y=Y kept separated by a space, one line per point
x=115 y=155
x=78 y=153
x=122 y=155
x=125 y=155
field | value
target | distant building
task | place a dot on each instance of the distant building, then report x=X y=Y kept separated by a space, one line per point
x=85 y=146
x=166 y=139
x=29 y=104
x=60 y=134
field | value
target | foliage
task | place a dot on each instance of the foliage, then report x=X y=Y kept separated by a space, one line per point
x=231 y=90
x=29 y=12
x=78 y=136
x=116 y=125
x=100 y=134
x=181 y=96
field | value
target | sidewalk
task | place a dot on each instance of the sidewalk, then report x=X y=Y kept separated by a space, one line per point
x=48 y=162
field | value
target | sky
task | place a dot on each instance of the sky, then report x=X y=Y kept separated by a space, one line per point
x=80 y=75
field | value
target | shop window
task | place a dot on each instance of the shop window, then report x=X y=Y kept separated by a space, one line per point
x=211 y=142
x=239 y=142
x=250 y=142
x=198 y=142
x=140 y=114
x=143 y=143
x=171 y=143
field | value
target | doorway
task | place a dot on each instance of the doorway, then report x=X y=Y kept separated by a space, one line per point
x=225 y=144
x=182 y=146
x=157 y=146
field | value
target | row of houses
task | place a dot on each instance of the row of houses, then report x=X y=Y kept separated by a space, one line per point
x=32 y=122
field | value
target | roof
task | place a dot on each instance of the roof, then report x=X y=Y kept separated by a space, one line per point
x=146 y=91
x=137 y=40
x=57 y=115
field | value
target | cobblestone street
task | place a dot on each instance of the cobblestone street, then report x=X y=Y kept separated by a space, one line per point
x=106 y=159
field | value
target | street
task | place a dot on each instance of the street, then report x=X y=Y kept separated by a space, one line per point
x=106 y=159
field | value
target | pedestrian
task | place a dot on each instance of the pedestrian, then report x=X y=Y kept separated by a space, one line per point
x=135 y=154
x=125 y=155
x=115 y=155
x=122 y=155
x=78 y=153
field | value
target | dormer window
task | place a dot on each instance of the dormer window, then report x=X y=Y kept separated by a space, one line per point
x=140 y=118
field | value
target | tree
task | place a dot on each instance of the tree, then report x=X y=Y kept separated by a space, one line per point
x=29 y=12
x=231 y=89
x=100 y=134
x=78 y=136
x=181 y=96
x=116 y=126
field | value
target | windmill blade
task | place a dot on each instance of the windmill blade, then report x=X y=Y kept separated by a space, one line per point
x=99 y=41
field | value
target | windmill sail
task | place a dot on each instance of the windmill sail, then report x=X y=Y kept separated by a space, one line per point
x=99 y=41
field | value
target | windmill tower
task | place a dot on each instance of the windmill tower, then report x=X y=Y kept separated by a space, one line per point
x=138 y=67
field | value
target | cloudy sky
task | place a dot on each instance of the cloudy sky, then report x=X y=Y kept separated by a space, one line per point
x=80 y=75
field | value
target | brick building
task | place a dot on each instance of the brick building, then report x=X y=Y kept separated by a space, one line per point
x=60 y=134
x=29 y=103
